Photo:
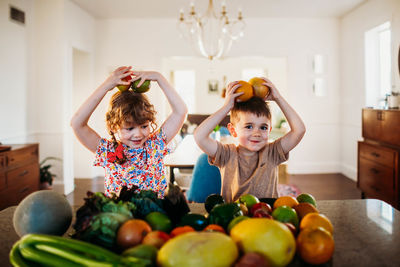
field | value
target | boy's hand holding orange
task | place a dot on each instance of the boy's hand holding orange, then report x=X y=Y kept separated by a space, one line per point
x=255 y=87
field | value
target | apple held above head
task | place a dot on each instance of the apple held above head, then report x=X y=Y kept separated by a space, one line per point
x=123 y=87
x=260 y=90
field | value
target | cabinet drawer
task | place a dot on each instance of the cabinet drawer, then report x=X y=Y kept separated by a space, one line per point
x=23 y=176
x=378 y=154
x=20 y=157
x=376 y=180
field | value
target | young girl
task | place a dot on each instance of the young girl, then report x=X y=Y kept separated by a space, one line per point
x=135 y=153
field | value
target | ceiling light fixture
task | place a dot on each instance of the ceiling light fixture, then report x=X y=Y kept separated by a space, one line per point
x=211 y=35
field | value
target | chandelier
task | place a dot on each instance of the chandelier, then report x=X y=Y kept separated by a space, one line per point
x=211 y=35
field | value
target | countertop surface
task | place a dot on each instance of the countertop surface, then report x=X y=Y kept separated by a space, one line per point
x=366 y=232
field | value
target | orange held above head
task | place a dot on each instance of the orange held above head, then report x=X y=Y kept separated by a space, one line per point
x=255 y=87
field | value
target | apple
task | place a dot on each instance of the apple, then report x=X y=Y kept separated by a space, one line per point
x=291 y=227
x=156 y=238
x=249 y=200
x=143 y=88
x=260 y=90
x=123 y=87
x=261 y=205
x=260 y=213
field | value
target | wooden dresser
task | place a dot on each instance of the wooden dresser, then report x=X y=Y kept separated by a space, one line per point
x=378 y=156
x=19 y=173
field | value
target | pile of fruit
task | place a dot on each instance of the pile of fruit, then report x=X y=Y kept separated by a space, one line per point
x=248 y=232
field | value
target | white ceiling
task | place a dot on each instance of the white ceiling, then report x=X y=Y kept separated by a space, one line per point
x=112 y=9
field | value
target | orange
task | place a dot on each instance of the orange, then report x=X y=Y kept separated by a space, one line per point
x=132 y=232
x=181 y=230
x=304 y=208
x=260 y=90
x=314 y=220
x=286 y=201
x=315 y=245
x=247 y=89
x=214 y=228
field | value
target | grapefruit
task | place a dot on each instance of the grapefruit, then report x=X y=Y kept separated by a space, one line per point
x=260 y=90
x=198 y=249
x=268 y=237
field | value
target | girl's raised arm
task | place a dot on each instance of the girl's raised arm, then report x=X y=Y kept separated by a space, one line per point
x=175 y=120
x=79 y=122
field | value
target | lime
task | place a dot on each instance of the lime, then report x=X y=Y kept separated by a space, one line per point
x=159 y=221
x=143 y=88
x=286 y=214
x=306 y=198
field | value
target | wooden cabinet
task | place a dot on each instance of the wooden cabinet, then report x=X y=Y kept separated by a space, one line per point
x=19 y=173
x=378 y=155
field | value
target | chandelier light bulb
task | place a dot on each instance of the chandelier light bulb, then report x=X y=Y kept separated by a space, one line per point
x=212 y=35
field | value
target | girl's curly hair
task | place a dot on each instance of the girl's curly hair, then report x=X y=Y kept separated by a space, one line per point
x=129 y=107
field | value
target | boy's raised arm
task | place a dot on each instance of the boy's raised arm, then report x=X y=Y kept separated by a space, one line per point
x=297 y=127
x=202 y=132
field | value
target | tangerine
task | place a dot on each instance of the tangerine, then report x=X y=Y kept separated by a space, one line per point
x=315 y=245
x=247 y=89
x=303 y=209
x=314 y=220
x=286 y=201
x=214 y=228
x=181 y=230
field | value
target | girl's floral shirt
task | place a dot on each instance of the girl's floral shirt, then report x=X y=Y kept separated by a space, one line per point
x=144 y=166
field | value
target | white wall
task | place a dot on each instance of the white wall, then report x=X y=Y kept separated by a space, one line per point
x=144 y=43
x=352 y=89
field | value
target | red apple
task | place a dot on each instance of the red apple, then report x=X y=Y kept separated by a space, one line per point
x=122 y=87
x=261 y=205
x=260 y=213
x=156 y=238
x=292 y=228
x=260 y=90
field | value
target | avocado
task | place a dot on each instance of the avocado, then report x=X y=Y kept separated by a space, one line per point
x=197 y=221
x=213 y=200
x=143 y=88
x=222 y=214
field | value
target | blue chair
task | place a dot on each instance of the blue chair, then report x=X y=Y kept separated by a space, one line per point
x=206 y=180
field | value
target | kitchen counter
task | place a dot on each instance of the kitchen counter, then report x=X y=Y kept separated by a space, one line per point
x=366 y=232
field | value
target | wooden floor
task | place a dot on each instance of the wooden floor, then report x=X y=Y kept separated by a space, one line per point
x=321 y=186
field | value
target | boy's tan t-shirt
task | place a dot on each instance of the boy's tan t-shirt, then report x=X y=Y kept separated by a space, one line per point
x=241 y=174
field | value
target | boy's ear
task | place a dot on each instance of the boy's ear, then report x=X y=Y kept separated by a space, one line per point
x=232 y=130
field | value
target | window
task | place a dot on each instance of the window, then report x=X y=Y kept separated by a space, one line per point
x=184 y=83
x=378 y=64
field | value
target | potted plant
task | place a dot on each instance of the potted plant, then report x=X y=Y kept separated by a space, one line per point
x=46 y=177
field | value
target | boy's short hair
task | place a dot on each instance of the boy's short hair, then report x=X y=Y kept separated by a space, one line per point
x=254 y=105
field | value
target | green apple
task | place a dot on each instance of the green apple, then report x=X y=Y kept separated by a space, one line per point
x=249 y=200
x=143 y=88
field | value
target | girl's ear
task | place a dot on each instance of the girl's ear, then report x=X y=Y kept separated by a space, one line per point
x=232 y=130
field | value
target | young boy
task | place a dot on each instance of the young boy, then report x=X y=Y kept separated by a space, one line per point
x=250 y=167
